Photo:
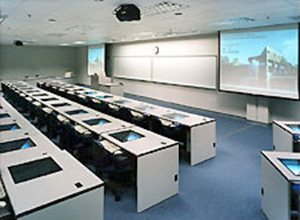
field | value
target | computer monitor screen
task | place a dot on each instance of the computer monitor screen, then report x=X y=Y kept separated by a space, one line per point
x=16 y=145
x=40 y=94
x=295 y=128
x=4 y=115
x=9 y=127
x=261 y=61
x=49 y=99
x=292 y=164
x=175 y=116
x=57 y=105
x=120 y=101
x=31 y=91
x=34 y=169
x=76 y=112
x=125 y=136
x=90 y=93
x=105 y=96
x=144 y=108
x=96 y=121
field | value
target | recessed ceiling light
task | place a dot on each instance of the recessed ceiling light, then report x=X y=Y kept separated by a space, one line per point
x=79 y=42
x=64 y=44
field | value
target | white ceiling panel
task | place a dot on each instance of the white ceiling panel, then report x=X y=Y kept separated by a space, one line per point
x=56 y=22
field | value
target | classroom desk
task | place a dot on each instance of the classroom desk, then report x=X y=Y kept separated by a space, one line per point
x=44 y=197
x=286 y=136
x=23 y=130
x=280 y=185
x=196 y=132
x=157 y=157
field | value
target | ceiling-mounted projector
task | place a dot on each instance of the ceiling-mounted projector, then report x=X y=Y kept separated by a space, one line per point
x=128 y=12
x=18 y=43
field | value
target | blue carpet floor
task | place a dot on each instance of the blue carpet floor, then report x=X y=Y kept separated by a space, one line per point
x=224 y=188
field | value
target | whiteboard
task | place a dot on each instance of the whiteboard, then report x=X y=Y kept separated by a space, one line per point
x=132 y=67
x=198 y=71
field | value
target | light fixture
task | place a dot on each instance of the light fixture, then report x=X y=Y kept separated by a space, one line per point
x=79 y=42
x=241 y=20
x=162 y=8
x=64 y=44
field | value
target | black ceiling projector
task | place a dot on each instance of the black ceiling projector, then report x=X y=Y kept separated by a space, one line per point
x=128 y=12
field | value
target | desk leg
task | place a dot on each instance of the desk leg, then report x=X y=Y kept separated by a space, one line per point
x=157 y=177
x=202 y=145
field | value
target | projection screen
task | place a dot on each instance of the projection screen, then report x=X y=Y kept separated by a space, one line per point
x=261 y=61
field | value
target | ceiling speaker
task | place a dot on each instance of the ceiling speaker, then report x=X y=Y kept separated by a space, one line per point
x=128 y=12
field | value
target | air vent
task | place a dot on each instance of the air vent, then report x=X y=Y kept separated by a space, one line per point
x=162 y=8
x=242 y=20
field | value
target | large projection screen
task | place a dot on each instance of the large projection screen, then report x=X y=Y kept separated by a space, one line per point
x=96 y=60
x=261 y=61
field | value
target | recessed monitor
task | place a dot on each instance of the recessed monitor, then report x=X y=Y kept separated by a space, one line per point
x=49 y=99
x=96 y=121
x=57 y=105
x=292 y=164
x=295 y=128
x=76 y=112
x=34 y=169
x=32 y=91
x=40 y=94
x=9 y=127
x=4 y=115
x=105 y=96
x=16 y=145
x=125 y=136
x=144 y=108
x=79 y=89
x=90 y=93
x=120 y=101
x=175 y=116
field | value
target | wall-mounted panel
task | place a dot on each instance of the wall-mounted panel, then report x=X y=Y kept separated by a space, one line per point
x=195 y=71
x=132 y=67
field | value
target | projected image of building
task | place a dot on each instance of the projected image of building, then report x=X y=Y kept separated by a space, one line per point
x=272 y=64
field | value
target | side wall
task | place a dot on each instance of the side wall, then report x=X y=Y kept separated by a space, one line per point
x=45 y=61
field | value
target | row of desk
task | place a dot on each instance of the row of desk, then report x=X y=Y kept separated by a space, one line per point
x=32 y=169
x=196 y=133
x=281 y=173
x=157 y=157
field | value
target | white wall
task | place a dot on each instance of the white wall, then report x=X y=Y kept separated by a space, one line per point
x=82 y=63
x=228 y=103
x=17 y=62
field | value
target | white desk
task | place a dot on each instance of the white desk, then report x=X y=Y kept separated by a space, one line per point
x=26 y=130
x=279 y=197
x=201 y=131
x=286 y=136
x=46 y=197
x=157 y=157
x=68 y=193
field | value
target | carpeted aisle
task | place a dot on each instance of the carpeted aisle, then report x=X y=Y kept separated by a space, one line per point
x=224 y=188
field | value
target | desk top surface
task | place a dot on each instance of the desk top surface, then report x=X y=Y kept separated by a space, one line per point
x=285 y=162
x=151 y=141
x=169 y=114
x=41 y=191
